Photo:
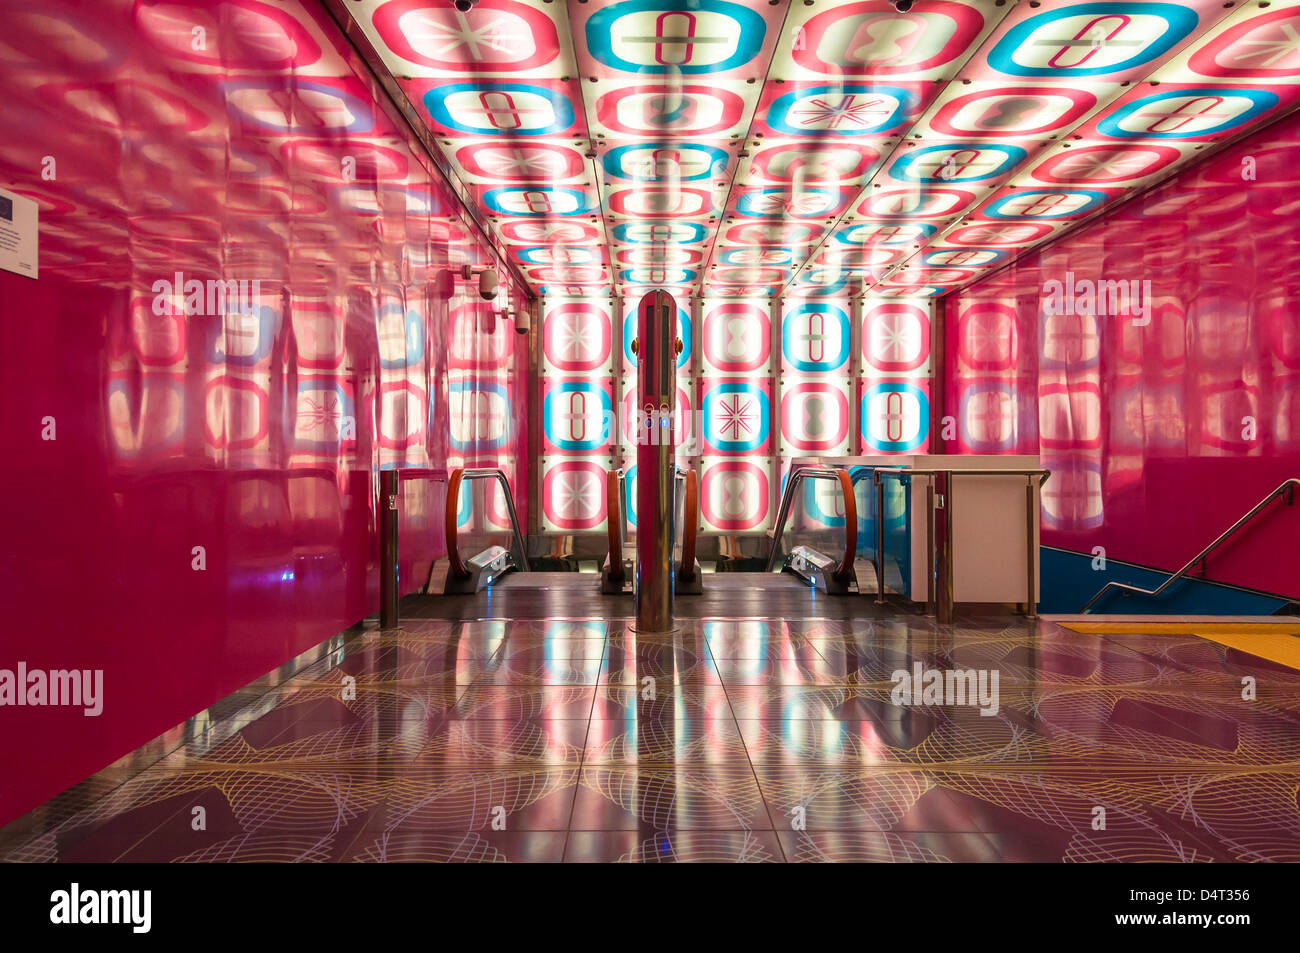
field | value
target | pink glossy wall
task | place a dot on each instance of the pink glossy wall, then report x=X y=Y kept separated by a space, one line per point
x=231 y=141
x=1159 y=435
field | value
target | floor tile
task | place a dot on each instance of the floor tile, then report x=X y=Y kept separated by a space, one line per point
x=726 y=740
x=709 y=847
x=633 y=797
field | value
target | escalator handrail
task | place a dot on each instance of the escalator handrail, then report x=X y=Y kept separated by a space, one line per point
x=458 y=476
x=840 y=475
x=615 y=520
x=690 y=519
x=861 y=471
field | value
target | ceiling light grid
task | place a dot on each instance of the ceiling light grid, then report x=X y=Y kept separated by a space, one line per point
x=751 y=148
x=1150 y=117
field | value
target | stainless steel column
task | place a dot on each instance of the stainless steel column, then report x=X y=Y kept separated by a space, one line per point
x=387 y=520
x=656 y=345
x=943 y=532
x=880 y=538
x=1031 y=551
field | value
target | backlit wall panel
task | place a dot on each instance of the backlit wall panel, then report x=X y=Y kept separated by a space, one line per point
x=828 y=377
x=578 y=394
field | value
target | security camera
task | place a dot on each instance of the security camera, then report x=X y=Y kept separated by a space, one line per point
x=487 y=284
x=902 y=6
x=523 y=320
x=464 y=6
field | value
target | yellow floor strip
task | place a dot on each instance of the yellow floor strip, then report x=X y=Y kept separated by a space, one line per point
x=1168 y=628
x=1276 y=642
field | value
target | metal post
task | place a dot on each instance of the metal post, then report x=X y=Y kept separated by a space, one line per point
x=1031 y=519
x=387 y=518
x=944 y=595
x=880 y=539
x=655 y=464
x=929 y=545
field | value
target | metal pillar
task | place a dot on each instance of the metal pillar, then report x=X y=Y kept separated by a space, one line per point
x=1031 y=551
x=387 y=519
x=657 y=348
x=943 y=611
x=880 y=540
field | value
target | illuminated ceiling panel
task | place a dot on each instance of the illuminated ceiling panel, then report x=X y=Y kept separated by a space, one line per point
x=816 y=147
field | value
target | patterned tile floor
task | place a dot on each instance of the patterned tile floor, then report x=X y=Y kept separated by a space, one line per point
x=731 y=740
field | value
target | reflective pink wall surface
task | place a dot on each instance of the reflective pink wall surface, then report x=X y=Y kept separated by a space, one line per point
x=1162 y=422
x=224 y=142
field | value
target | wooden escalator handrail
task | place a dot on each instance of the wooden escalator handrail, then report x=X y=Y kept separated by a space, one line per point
x=845 y=569
x=614 y=520
x=455 y=566
x=690 y=522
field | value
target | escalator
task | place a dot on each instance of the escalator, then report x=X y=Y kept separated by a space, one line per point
x=822 y=558
x=618 y=574
x=469 y=575
x=825 y=558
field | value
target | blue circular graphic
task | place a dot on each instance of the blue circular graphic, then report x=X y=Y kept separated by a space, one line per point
x=268 y=326
x=613 y=161
x=671 y=276
x=435 y=101
x=784 y=256
x=600 y=434
x=578 y=255
x=1180 y=22
x=845 y=236
x=1012 y=156
x=981 y=443
x=492 y=199
x=816 y=289
x=1262 y=100
x=695 y=232
x=923 y=416
x=1095 y=198
x=998 y=255
x=749 y=39
x=789 y=338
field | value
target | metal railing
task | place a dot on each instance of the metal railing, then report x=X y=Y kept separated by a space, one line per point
x=938 y=490
x=1287 y=487
x=840 y=475
x=456 y=566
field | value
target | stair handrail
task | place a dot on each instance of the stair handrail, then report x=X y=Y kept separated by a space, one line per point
x=1286 y=486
